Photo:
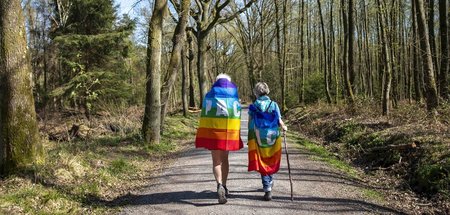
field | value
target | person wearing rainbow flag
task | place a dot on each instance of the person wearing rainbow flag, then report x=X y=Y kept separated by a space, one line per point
x=264 y=138
x=219 y=129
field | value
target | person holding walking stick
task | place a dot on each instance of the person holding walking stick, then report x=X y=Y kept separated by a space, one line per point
x=264 y=137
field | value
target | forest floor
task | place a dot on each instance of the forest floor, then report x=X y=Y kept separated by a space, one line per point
x=100 y=166
x=405 y=157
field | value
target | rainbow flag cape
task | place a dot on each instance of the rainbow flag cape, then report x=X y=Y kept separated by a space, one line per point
x=264 y=145
x=220 y=119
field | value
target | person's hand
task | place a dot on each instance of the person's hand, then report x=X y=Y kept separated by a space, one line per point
x=284 y=128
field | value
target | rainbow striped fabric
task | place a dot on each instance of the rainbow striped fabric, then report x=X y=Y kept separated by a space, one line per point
x=264 y=149
x=220 y=119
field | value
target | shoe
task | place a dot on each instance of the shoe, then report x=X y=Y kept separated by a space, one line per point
x=268 y=196
x=227 y=192
x=221 y=194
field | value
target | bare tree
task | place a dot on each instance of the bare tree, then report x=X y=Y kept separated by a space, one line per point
x=207 y=15
x=386 y=58
x=443 y=77
x=425 y=50
x=178 y=41
x=151 y=127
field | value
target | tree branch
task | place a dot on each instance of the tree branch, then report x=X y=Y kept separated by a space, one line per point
x=237 y=13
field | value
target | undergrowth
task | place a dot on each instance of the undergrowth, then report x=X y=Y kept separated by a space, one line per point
x=86 y=175
x=409 y=144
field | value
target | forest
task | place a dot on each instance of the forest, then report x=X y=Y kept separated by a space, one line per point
x=91 y=96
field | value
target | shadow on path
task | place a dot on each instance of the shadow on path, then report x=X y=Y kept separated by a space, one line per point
x=208 y=198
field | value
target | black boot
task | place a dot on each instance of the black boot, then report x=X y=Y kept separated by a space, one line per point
x=221 y=194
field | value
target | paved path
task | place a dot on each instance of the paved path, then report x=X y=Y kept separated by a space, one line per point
x=188 y=187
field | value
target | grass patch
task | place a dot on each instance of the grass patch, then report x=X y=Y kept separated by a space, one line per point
x=322 y=154
x=75 y=177
x=373 y=194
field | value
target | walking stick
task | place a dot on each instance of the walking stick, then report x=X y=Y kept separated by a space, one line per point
x=289 y=165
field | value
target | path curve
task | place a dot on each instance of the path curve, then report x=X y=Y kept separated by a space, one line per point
x=188 y=187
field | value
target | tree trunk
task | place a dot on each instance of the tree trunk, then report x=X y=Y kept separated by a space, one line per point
x=415 y=58
x=19 y=137
x=430 y=84
x=351 y=64
x=346 y=49
x=432 y=39
x=191 y=71
x=178 y=40
x=387 y=61
x=184 y=82
x=151 y=127
x=325 y=54
x=202 y=66
x=285 y=41
x=279 y=45
x=302 y=54
x=443 y=79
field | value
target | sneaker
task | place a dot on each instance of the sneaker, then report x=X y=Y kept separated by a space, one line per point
x=268 y=196
x=221 y=194
x=227 y=192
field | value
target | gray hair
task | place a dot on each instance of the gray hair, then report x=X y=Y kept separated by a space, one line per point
x=223 y=75
x=261 y=89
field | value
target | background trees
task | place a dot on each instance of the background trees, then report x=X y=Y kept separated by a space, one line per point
x=336 y=51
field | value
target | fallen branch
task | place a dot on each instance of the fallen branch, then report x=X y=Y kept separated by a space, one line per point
x=395 y=147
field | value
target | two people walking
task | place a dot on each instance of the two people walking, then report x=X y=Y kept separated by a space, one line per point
x=219 y=132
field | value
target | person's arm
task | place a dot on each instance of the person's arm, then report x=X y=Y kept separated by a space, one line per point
x=280 y=121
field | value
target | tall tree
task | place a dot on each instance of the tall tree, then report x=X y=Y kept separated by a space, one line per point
x=430 y=20
x=326 y=57
x=92 y=46
x=351 y=39
x=178 y=41
x=191 y=57
x=346 y=50
x=151 y=127
x=415 y=58
x=387 y=63
x=425 y=50
x=19 y=138
x=443 y=77
x=301 y=88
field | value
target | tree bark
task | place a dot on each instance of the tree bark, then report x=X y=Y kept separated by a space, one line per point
x=325 y=54
x=345 y=63
x=151 y=127
x=430 y=20
x=387 y=60
x=443 y=79
x=430 y=84
x=191 y=71
x=19 y=137
x=280 y=58
x=184 y=82
x=302 y=54
x=415 y=58
x=178 y=40
x=351 y=33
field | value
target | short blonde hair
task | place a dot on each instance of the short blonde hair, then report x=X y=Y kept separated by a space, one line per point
x=223 y=75
x=261 y=89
